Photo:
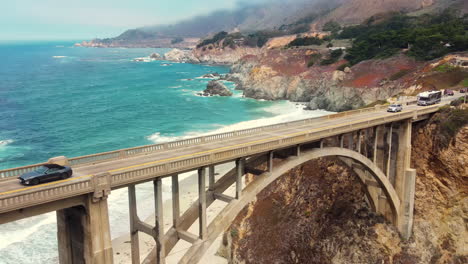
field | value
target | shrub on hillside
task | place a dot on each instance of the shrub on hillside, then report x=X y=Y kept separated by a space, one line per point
x=306 y=41
x=426 y=37
x=335 y=55
x=314 y=59
x=450 y=121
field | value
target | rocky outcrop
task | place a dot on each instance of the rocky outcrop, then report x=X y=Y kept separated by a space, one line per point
x=217 y=53
x=316 y=213
x=284 y=74
x=155 y=56
x=178 y=55
x=213 y=75
x=216 y=88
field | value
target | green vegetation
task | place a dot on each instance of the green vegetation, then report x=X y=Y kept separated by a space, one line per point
x=256 y=39
x=234 y=232
x=427 y=37
x=177 y=40
x=335 y=55
x=343 y=66
x=314 y=59
x=332 y=26
x=306 y=41
x=260 y=38
x=464 y=83
x=219 y=36
x=378 y=102
x=458 y=102
x=450 y=121
x=399 y=74
x=445 y=68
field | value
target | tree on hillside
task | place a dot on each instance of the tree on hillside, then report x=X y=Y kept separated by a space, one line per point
x=428 y=37
x=332 y=26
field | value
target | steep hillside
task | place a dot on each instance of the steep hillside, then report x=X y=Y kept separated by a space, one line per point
x=356 y=11
x=289 y=16
x=316 y=213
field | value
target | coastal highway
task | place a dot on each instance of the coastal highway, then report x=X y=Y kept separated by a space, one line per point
x=12 y=186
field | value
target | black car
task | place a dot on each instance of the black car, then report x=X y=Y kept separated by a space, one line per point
x=45 y=173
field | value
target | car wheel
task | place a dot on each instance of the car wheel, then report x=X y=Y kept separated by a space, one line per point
x=34 y=181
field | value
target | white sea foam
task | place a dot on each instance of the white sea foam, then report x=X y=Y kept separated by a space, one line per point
x=59 y=57
x=175 y=87
x=20 y=230
x=5 y=142
x=284 y=112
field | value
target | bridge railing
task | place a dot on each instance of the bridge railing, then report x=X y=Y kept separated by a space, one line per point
x=15 y=172
x=147 y=149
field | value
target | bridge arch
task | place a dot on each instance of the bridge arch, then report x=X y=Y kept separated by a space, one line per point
x=249 y=194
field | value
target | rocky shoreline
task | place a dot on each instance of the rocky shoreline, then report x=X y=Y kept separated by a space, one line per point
x=287 y=74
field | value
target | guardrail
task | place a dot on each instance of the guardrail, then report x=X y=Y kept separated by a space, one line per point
x=124 y=153
x=118 y=179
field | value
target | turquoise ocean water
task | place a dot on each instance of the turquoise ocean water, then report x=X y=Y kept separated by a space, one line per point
x=57 y=99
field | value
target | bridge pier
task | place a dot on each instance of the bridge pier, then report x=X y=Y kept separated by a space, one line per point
x=202 y=204
x=405 y=179
x=83 y=233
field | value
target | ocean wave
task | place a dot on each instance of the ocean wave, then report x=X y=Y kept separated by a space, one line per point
x=5 y=142
x=59 y=57
x=175 y=87
x=20 y=230
x=283 y=112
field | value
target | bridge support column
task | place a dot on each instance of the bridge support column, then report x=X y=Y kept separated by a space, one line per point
x=202 y=204
x=379 y=160
x=389 y=154
x=240 y=166
x=134 y=237
x=270 y=161
x=175 y=201
x=359 y=141
x=351 y=141
x=211 y=178
x=159 y=222
x=84 y=233
x=379 y=146
x=405 y=221
x=405 y=179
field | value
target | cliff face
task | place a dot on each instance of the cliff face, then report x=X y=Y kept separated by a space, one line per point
x=317 y=214
x=218 y=54
x=284 y=74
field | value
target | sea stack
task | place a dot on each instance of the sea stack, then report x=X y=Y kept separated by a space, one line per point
x=216 y=88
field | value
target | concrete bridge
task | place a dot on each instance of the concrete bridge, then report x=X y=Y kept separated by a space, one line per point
x=374 y=143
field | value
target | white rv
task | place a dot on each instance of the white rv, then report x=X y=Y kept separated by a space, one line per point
x=429 y=98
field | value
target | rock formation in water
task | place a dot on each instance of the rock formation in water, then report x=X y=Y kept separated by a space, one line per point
x=216 y=88
x=316 y=213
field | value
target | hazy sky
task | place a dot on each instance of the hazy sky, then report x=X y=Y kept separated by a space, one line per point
x=87 y=19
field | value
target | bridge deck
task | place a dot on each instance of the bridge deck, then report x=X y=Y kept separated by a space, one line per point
x=84 y=172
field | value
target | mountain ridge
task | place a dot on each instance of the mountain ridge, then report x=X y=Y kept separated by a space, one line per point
x=296 y=16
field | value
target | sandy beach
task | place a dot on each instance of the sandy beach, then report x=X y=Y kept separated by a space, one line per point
x=188 y=195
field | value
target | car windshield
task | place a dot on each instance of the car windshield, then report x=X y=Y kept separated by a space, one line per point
x=42 y=169
x=393 y=105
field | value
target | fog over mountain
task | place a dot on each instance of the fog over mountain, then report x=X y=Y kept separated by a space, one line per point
x=271 y=15
x=246 y=17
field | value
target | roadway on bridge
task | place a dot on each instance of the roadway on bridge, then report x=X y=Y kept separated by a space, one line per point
x=84 y=171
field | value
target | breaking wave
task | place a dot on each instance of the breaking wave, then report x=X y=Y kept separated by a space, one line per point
x=283 y=112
